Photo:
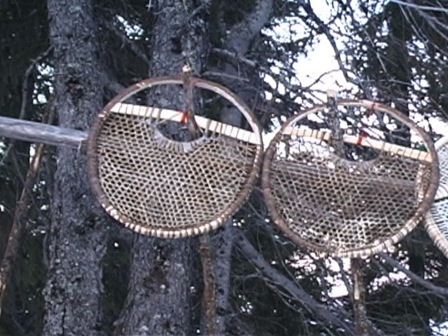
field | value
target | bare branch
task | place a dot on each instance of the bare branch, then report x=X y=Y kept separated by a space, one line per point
x=324 y=28
x=21 y=210
x=25 y=86
x=251 y=63
x=273 y=276
x=441 y=291
x=420 y=7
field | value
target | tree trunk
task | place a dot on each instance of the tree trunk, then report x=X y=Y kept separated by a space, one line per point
x=76 y=237
x=158 y=301
x=239 y=40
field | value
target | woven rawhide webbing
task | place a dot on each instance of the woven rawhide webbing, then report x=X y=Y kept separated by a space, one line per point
x=164 y=186
x=350 y=179
x=436 y=222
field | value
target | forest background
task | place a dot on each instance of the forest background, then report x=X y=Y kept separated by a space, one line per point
x=78 y=272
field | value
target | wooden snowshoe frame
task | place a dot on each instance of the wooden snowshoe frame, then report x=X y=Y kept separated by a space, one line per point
x=436 y=222
x=356 y=196
x=168 y=188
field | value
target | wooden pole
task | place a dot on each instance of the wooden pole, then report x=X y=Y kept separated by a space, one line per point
x=359 y=304
x=41 y=133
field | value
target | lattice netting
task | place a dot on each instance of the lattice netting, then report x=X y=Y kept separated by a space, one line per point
x=353 y=197
x=436 y=222
x=169 y=188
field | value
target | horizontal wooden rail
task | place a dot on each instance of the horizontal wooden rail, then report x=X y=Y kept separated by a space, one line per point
x=367 y=142
x=37 y=132
x=204 y=123
x=54 y=135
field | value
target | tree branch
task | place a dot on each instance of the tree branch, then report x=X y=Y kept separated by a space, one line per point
x=27 y=79
x=420 y=7
x=273 y=276
x=324 y=28
x=125 y=40
x=441 y=291
x=235 y=56
x=21 y=210
x=242 y=34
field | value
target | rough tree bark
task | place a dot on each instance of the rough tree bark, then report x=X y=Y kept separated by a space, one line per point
x=76 y=237
x=239 y=40
x=161 y=270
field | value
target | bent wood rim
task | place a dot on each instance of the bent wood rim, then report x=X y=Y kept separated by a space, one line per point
x=435 y=217
x=374 y=247
x=196 y=228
